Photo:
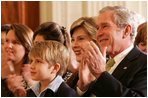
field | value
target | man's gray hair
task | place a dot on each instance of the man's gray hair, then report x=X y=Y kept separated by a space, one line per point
x=122 y=17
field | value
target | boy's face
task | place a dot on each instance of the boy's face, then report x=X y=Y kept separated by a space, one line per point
x=40 y=69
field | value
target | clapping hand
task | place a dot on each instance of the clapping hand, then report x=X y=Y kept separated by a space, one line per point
x=15 y=85
x=74 y=64
x=27 y=75
x=95 y=58
x=92 y=65
x=85 y=76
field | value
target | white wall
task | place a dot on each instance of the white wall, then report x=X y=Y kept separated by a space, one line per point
x=66 y=12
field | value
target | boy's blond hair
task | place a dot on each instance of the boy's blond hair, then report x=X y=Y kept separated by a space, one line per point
x=53 y=52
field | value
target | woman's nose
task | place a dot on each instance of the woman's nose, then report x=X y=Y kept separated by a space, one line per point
x=75 y=44
x=8 y=45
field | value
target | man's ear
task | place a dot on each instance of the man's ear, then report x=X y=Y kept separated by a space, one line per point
x=56 y=68
x=127 y=30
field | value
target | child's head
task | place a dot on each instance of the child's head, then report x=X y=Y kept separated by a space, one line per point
x=48 y=57
x=141 y=38
x=52 y=31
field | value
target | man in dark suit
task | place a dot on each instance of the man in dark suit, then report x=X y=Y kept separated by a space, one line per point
x=128 y=75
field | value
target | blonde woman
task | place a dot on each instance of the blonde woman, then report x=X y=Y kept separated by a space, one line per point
x=82 y=31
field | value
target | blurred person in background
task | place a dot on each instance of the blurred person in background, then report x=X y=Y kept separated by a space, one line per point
x=4 y=31
x=141 y=38
x=4 y=69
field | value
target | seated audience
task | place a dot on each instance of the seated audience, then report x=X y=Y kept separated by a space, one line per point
x=4 y=30
x=141 y=38
x=4 y=68
x=49 y=61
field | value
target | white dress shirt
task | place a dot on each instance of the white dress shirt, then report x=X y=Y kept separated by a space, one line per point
x=118 y=58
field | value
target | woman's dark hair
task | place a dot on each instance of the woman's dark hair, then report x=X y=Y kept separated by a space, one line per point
x=5 y=28
x=53 y=31
x=142 y=33
x=25 y=36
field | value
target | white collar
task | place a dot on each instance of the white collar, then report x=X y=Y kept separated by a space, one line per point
x=54 y=85
x=122 y=55
x=118 y=58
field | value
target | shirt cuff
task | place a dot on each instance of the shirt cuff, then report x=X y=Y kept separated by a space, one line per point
x=79 y=92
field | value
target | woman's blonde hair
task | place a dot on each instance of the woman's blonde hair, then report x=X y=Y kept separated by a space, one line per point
x=88 y=24
x=53 y=52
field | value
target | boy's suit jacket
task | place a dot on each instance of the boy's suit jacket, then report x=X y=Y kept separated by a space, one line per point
x=63 y=91
x=128 y=79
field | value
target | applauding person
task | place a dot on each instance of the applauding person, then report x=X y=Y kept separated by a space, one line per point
x=125 y=74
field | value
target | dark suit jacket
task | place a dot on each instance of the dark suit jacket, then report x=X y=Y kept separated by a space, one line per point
x=63 y=91
x=5 y=92
x=128 y=79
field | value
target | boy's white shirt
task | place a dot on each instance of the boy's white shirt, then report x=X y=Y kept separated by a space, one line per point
x=54 y=85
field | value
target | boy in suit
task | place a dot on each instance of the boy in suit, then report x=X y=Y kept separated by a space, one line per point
x=49 y=61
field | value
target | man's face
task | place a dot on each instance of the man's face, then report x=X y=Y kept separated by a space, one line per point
x=109 y=35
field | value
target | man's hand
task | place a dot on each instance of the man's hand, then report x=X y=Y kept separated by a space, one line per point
x=95 y=58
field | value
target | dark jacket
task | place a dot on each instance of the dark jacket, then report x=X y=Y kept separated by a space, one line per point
x=5 y=92
x=63 y=91
x=128 y=79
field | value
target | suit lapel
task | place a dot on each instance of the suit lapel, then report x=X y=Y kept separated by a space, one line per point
x=125 y=63
x=121 y=69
